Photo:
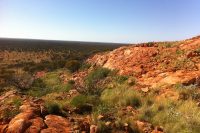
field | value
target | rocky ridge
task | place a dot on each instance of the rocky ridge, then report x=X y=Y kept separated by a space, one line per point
x=155 y=64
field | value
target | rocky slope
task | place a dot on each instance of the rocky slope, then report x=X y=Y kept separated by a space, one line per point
x=155 y=63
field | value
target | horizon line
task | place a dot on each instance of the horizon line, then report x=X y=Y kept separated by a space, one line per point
x=39 y=39
x=131 y=43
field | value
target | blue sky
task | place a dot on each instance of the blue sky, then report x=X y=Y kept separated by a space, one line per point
x=125 y=21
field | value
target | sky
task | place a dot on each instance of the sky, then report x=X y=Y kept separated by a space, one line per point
x=121 y=21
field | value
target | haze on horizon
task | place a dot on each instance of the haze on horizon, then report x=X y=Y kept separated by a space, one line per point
x=121 y=21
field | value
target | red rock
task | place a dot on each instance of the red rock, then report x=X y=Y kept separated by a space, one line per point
x=124 y=58
x=27 y=119
x=8 y=94
x=93 y=129
x=40 y=74
x=3 y=128
x=17 y=126
x=144 y=126
x=52 y=130
x=37 y=124
x=57 y=124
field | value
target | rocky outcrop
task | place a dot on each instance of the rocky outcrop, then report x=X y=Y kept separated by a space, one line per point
x=171 y=78
x=20 y=123
x=30 y=120
x=24 y=120
x=127 y=60
x=155 y=65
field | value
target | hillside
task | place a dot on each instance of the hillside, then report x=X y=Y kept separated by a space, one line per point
x=155 y=63
x=145 y=88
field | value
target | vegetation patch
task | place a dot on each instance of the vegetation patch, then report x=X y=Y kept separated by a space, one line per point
x=8 y=112
x=91 y=87
x=174 y=117
x=73 y=65
x=122 y=96
x=53 y=108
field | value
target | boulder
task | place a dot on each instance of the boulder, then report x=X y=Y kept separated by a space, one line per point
x=144 y=126
x=146 y=89
x=27 y=120
x=108 y=123
x=17 y=126
x=3 y=128
x=85 y=126
x=100 y=117
x=56 y=124
x=93 y=129
x=37 y=124
x=51 y=130
x=20 y=122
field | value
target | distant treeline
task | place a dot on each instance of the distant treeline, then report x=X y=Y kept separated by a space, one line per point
x=40 y=45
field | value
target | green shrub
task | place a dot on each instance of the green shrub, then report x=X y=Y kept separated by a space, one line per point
x=121 y=79
x=39 y=83
x=104 y=108
x=61 y=88
x=73 y=65
x=8 y=113
x=102 y=128
x=147 y=115
x=135 y=102
x=85 y=66
x=149 y=102
x=93 y=78
x=150 y=44
x=84 y=104
x=38 y=92
x=53 y=108
x=179 y=117
x=180 y=52
x=82 y=100
x=71 y=82
x=17 y=102
x=97 y=75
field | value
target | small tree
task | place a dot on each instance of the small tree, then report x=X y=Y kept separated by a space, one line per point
x=73 y=65
x=23 y=81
